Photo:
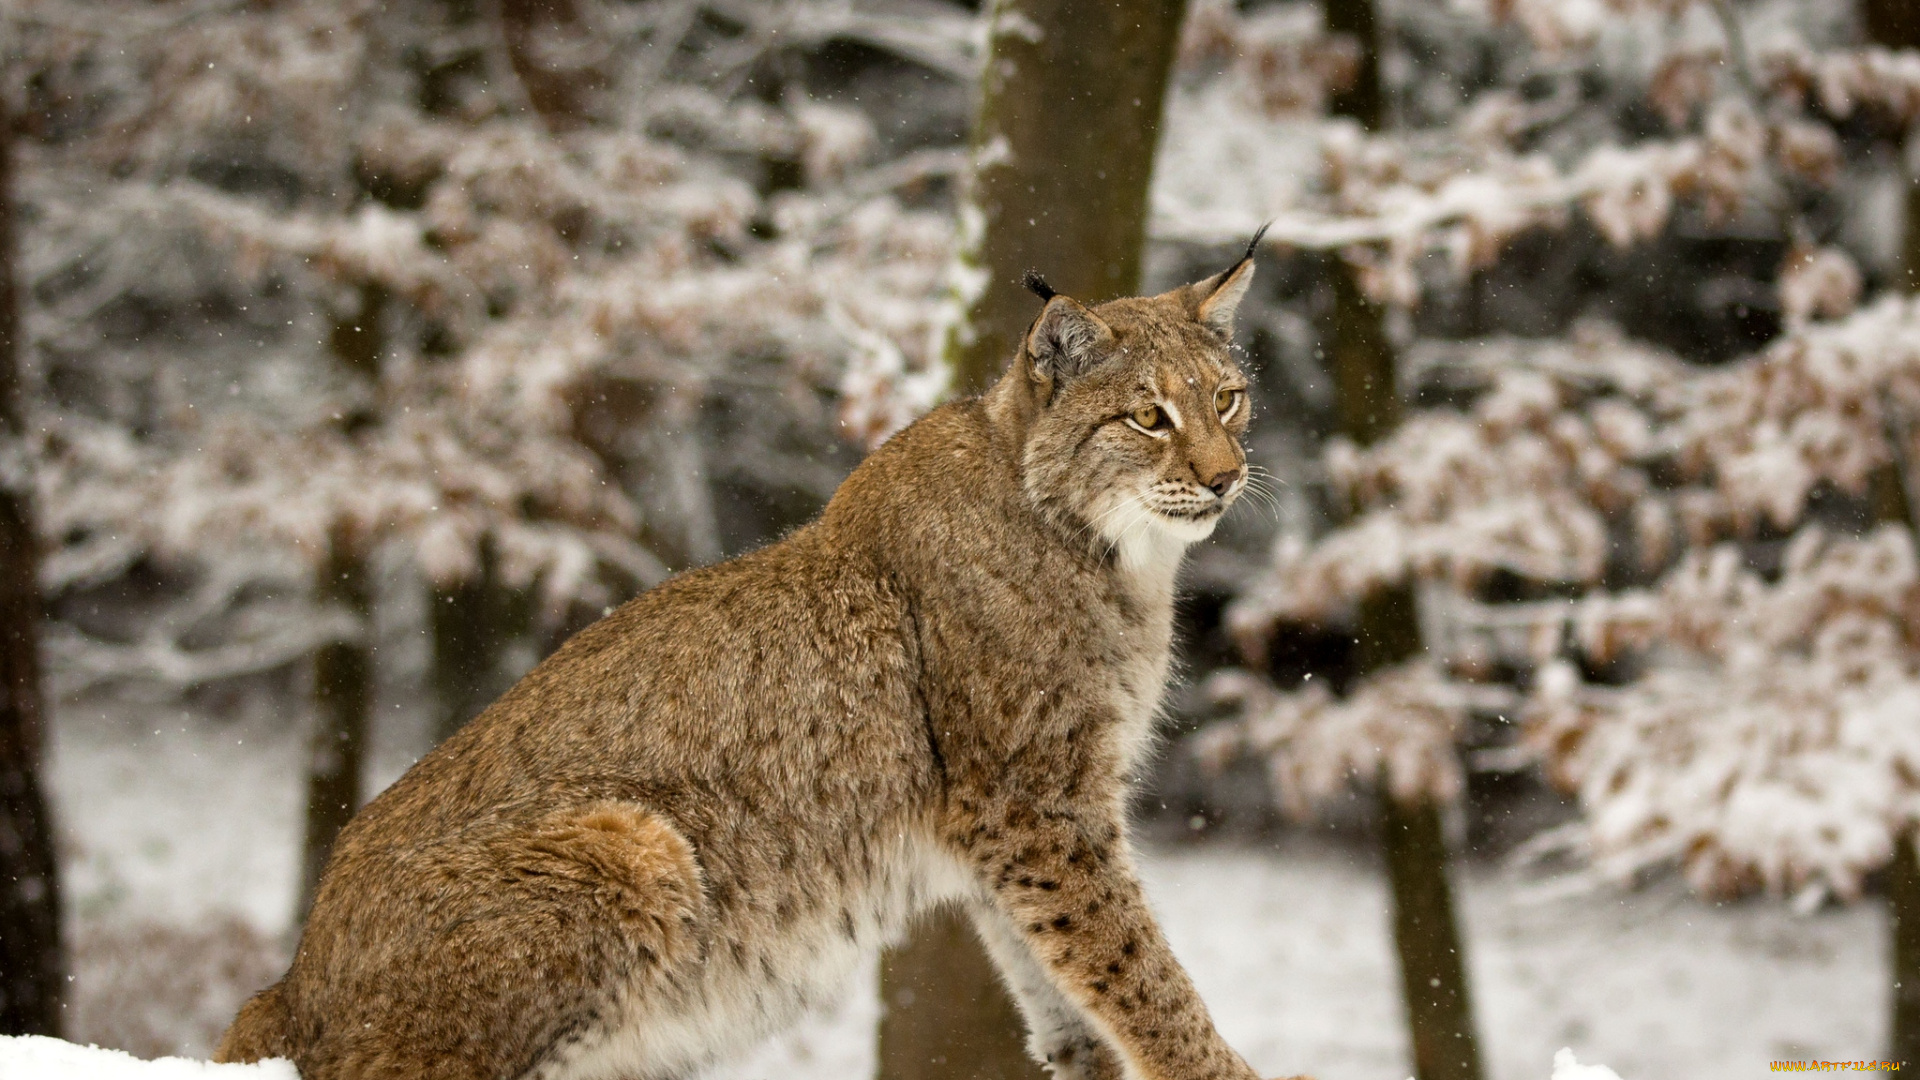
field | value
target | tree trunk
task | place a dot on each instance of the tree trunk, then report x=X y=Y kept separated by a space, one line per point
x=465 y=653
x=1426 y=935
x=1063 y=141
x=1890 y=504
x=1063 y=144
x=462 y=657
x=343 y=697
x=342 y=670
x=1425 y=932
x=947 y=1015
x=557 y=93
x=32 y=962
x=1903 y=910
x=472 y=624
x=1366 y=99
x=1909 y=274
x=1433 y=976
x=1361 y=355
x=1888 y=495
x=1895 y=24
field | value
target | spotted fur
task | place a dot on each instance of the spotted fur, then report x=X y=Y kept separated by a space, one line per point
x=695 y=818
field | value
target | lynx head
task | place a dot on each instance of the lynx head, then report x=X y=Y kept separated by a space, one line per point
x=1134 y=412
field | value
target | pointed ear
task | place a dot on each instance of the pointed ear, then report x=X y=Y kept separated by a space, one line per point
x=1067 y=340
x=1219 y=297
x=1214 y=300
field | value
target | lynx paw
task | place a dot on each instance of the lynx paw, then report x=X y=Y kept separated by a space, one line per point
x=1083 y=1059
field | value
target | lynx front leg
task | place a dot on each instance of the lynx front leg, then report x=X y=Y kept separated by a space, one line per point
x=1058 y=1031
x=1062 y=874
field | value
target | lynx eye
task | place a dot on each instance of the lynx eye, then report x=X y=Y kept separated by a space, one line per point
x=1224 y=400
x=1148 y=417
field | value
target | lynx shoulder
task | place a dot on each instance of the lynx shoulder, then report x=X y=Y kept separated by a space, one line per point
x=693 y=820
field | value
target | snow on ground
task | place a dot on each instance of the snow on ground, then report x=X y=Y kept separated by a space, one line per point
x=1290 y=948
x=1566 y=1066
x=176 y=824
x=174 y=819
x=35 y=1058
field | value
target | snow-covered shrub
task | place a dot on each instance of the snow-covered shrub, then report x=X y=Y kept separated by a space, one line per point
x=1527 y=480
x=1560 y=468
x=1428 y=203
x=1828 y=403
x=1776 y=749
x=347 y=275
x=1768 y=742
x=1396 y=730
x=1546 y=477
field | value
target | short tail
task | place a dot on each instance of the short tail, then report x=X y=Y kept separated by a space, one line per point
x=261 y=1031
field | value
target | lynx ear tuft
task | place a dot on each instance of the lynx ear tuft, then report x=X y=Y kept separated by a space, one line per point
x=1038 y=285
x=1218 y=297
x=1067 y=340
x=1253 y=245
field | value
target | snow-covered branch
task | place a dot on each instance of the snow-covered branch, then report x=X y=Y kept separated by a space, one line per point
x=1776 y=747
x=1397 y=729
x=1526 y=481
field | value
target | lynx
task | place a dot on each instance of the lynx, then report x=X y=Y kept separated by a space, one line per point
x=691 y=822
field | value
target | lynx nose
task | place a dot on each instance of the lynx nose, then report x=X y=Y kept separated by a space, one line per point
x=1222 y=482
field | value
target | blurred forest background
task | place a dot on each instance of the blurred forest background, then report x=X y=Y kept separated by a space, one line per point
x=1566 y=690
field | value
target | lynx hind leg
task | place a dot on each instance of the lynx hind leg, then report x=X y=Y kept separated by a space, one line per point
x=1059 y=1034
x=627 y=862
x=500 y=952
